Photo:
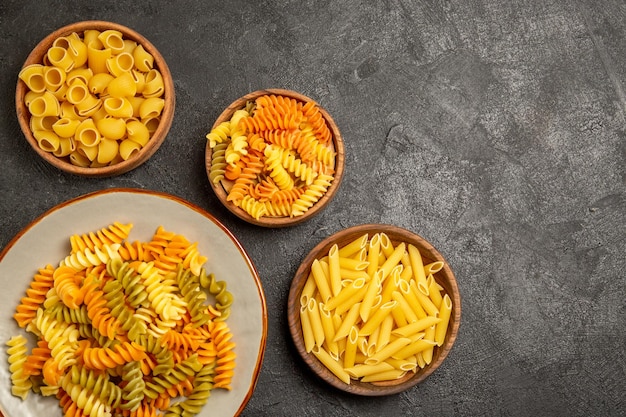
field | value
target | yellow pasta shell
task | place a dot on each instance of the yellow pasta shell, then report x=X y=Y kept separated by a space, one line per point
x=154 y=84
x=45 y=105
x=144 y=61
x=47 y=140
x=112 y=39
x=30 y=96
x=89 y=152
x=99 y=83
x=65 y=127
x=137 y=132
x=107 y=150
x=119 y=64
x=118 y=107
x=32 y=75
x=111 y=127
x=59 y=57
x=79 y=74
x=122 y=86
x=79 y=159
x=66 y=147
x=54 y=78
x=89 y=106
x=77 y=92
x=151 y=107
x=42 y=123
x=77 y=50
x=87 y=134
x=128 y=148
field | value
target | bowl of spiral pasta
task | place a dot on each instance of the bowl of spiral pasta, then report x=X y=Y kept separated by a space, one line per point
x=274 y=158
x=374 y=309
x=95 y=99
x=129 y=302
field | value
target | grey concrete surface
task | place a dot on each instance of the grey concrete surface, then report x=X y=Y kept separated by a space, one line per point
x=495 y=129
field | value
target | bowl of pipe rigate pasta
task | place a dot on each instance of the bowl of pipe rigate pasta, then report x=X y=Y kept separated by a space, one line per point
x=374 y=309
x=128 y=302
x=274 y=158
x=95 y=98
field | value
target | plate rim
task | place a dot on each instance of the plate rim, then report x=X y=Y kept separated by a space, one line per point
x=160 y=194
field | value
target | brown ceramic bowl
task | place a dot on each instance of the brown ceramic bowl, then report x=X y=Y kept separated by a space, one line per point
x=158 y=131
x=445 y=278
x=276 y=221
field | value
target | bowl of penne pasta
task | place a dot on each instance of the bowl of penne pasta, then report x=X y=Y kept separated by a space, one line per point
x=374 y=309
x=95 y=99
x=274 y=158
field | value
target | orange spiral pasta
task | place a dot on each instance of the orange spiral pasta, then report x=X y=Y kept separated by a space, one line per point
x=35 y=296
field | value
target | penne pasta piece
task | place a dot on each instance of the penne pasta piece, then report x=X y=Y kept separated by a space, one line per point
x=444 y=315
x=373 y=255
x=427 y=354
x=321 y=280
x=329 y=331
x=388 y=350
x=425 y=301
x=408 y=364
x=413 y=349
x=411 y=298
x=346 y=294
x=373 y=288
x=408 y=312
x=392 y=260
x=415 y=327
x=353 y=263
x=386 y=246
x=434 y=291
x=384 y=335
x=334 y=270
x=361 y=370
x=316 y=322
x=307 y=330
x=353 y=247
x=347 y=323
x=417 y=264
x=433 y=268
x=351 y=348
x=389 y=375
x=324 y=357
x=390 y=285
x=377 y=318
x=308 y=290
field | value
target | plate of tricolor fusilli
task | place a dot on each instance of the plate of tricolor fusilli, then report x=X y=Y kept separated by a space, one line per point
x=129 y=302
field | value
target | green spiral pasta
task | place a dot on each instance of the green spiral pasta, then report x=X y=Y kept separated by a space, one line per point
x=181 y=371
x=134 y=289
x=189 y=285
x=223 y=298
x=202 y=386
x=100 y=385
x=133 y=391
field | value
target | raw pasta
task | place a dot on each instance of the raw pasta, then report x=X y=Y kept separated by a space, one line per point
x=274 y=158
x=382 y=322
x=125 y=328
x=102 y=80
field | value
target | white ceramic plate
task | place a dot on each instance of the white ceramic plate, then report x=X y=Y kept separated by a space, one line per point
x=46 y=241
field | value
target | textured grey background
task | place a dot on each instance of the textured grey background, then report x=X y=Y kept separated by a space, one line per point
x=495 y=129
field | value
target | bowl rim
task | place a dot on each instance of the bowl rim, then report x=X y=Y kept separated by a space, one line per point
x=428 y=251
x=156 y=139
x=276 y=222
